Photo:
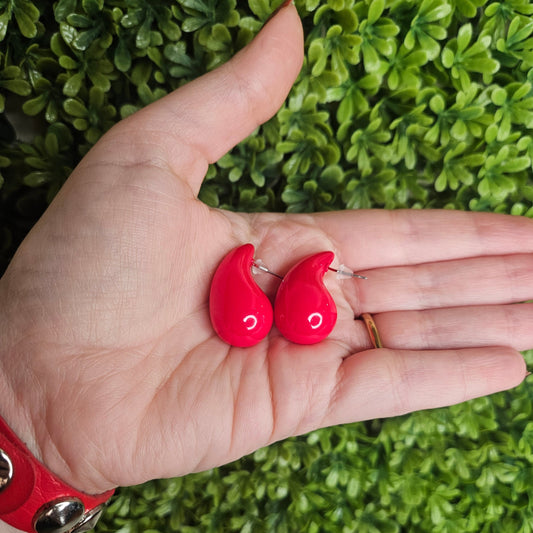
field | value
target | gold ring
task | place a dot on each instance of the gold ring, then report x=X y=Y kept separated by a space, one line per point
x=372 y=330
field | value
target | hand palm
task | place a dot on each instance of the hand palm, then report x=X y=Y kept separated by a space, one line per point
x=113 y=286
x=150 y=372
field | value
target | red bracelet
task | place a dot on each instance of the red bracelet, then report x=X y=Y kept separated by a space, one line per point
x=34 y=500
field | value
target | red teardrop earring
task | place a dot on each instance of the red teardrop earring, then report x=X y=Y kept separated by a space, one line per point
x=304 y=311
x=240 y=311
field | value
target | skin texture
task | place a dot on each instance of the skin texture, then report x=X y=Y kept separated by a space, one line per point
x=109 y=367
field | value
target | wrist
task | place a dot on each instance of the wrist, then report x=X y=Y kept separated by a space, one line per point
x=48 y=409
x=16 y=389
x=35 y=481
x=35 y=500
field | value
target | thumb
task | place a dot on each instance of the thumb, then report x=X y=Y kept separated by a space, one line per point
x=199 y=122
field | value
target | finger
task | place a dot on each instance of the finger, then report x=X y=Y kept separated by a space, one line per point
x=368 y=239
x=464 y=282
x=462 y=327
x=383 y=383
x=198 y=123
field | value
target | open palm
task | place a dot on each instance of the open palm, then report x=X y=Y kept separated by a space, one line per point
x=109 y=350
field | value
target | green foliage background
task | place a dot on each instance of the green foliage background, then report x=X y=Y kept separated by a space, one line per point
x=400 y=104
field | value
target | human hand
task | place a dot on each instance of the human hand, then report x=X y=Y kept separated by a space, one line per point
x=110 y=368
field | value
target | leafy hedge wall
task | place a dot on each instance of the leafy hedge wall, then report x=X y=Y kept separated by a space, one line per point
x=400 y=103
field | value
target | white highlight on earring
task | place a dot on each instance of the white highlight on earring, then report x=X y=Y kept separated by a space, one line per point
x=252 y=319
x=313 y=318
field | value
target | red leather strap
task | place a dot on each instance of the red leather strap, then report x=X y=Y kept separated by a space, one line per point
x=33 y=485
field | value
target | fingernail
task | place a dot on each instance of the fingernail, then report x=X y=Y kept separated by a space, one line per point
x=282 y=6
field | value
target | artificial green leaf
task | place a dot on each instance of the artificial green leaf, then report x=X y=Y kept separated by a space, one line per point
x=122 y=56
x=4 y=22
x=36 y=179
x=67 y=62
x=375 y=10
x=63 y=8
x=20 y=87
x=73 y=84
x=26 y=15
x=35 y=105
x=75 y=108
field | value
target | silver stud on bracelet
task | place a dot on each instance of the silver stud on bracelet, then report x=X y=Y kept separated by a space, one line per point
x=66 y=516
x=60 y=516
x=6 y=470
